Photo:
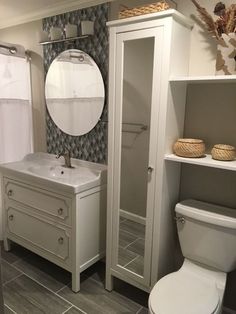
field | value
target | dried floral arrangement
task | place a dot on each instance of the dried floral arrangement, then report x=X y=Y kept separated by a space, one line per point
x=224 y=24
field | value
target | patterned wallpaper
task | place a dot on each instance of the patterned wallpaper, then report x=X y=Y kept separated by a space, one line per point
x=93 y=145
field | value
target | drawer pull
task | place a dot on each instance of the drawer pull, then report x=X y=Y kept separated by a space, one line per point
x=11 y=217
x=10 y=193
x=60 y=240
x=60 y=211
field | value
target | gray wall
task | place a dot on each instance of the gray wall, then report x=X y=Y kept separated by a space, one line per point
x=93 y=145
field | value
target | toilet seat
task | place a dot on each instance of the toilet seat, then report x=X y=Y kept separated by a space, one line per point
x=184 y=293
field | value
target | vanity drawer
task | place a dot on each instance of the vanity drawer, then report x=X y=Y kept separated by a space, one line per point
x=53 y=240
x=43 y=202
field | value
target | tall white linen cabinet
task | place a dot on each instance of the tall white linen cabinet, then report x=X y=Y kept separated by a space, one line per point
x=146 y=116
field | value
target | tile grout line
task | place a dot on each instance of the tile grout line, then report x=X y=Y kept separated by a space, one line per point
x=67 y=310
x=131 y=261
x=7 y=282
x=139 y=310
x=19 y=258
x=23 y=273
x=95 y=280
x=59 y=290
x=133 y=234
x=129 y=232
x=58 y=295
x=18 y=269
x=13 y=265
x=131 y=243
x=54 y=292
x=10 y=308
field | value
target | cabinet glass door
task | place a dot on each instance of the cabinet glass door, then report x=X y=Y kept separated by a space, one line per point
x=136 y=129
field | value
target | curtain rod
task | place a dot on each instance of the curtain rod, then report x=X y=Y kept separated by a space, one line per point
x=11 y=49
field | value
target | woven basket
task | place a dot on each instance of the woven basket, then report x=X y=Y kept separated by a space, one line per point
x=223 y=152
x=189 y=147
x=149 y=8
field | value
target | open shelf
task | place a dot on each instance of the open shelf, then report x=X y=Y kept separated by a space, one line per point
x=206 y=161
x=204 y=79
x=62 y=40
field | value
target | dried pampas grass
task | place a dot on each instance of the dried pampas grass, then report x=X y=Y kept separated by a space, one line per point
x=207 y=19
x=225 y=23
x=231 y=20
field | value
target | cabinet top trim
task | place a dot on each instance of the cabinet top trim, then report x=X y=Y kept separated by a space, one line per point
x=153 y=16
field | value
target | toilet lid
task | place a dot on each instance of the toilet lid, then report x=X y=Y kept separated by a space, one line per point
x=183 y=294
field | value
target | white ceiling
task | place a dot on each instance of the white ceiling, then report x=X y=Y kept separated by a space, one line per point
x=14 y=12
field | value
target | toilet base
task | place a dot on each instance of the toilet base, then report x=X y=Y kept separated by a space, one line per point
x=199 y=274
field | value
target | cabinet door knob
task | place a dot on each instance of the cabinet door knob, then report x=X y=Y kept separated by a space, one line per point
x=10 y=193
x=60 y=211
x=60 y=240
x=11 y=217
x=150 y=169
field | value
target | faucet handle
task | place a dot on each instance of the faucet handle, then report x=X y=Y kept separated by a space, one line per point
x=58 y=155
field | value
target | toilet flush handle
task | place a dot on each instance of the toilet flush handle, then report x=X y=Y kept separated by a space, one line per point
x=180 y=219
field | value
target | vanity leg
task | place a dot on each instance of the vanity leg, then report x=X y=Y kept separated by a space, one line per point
x=76 y=282
x=7 y=244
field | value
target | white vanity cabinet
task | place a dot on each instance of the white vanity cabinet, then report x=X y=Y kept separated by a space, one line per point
x=144 y=52
x=65 y=227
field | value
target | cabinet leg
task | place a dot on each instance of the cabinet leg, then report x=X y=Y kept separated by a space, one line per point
x=109 y=282
x=75 y=282
x=7 y=244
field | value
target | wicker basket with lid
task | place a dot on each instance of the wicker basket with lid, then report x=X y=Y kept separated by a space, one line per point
x=223 y=152
x=146 y=9
x=189 y=147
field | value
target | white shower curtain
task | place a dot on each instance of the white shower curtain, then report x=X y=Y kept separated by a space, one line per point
x=15 y=107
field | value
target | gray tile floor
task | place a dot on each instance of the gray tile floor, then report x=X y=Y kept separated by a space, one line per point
x=32 y=285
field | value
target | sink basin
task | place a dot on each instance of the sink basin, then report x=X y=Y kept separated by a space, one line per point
x=45 y=167
x=60 y=172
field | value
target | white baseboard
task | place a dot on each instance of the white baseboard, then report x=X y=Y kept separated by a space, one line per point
x=133 y=217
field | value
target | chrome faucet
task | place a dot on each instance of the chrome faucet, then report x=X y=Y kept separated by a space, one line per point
x=67 y=158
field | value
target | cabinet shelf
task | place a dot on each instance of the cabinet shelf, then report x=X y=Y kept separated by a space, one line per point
x=204 y=79
x=62 y=40
x=206 y=161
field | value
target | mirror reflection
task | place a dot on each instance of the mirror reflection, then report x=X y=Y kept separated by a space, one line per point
x=134 y=177
x=74 y=91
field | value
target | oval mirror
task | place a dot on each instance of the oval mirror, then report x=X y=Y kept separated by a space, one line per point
x=74 y=91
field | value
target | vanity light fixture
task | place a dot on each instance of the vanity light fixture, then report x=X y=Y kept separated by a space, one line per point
x=87 y=27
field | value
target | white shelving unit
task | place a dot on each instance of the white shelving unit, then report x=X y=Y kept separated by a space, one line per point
x=204 y=79
x=206 y=161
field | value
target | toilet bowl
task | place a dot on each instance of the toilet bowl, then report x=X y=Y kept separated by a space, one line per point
x=198 y=286
x=191 y=290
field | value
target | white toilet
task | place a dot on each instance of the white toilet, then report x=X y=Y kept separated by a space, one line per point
x=207 y=235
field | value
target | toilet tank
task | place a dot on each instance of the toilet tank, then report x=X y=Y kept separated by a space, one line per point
x=207 y=234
